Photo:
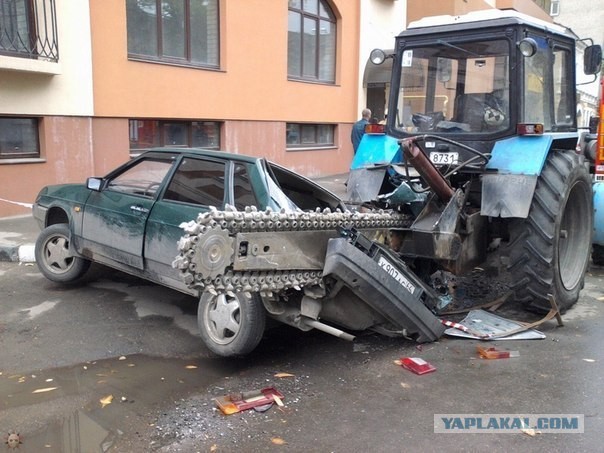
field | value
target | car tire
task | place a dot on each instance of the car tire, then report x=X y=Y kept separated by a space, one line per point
x=54 y=258
x=549 y=250
x=231 y=325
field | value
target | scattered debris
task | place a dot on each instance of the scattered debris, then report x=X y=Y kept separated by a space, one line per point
x=44 y=390
x=284 y=375
x=530 y=431
x=589 y=360
x=494 y=353
x=231 y=404
x=483 y=325
x=191 y=367
x=278 y=441
x=417 y=365
x=105 y=401
x=13 y=440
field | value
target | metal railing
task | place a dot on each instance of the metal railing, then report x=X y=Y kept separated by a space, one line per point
x=28 y=29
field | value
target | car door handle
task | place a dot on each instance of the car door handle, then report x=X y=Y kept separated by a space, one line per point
x=137 y=208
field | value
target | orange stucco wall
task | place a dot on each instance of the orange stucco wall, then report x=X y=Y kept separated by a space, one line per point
x=250 y=94
x=251 y=84
x=66 y=156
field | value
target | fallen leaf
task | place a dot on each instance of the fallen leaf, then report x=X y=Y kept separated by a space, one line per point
x=589 y=360
x=105 y=401
x=214 y=448
x=282 y=375
x=530 y=432
x=278 y=441
x=44 y=390
x=190 y=367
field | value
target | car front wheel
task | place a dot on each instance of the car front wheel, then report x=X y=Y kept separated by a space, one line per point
x=231 y=325
x=54 y=258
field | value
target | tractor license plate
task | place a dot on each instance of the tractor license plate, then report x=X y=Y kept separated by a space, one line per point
x=439 y=158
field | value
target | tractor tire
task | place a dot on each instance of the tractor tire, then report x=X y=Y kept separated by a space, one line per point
x=231 y=325
x=54 y=258
x=549 y=250
x=597 y=255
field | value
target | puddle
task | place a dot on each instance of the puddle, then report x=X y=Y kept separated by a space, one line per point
x=118 y=396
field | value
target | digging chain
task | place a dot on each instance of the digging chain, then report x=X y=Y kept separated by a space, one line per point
x=206 y=251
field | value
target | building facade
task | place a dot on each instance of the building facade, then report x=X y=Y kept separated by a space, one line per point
x=85 y=85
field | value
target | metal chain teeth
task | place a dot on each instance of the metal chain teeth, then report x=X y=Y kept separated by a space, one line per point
x=252 y=220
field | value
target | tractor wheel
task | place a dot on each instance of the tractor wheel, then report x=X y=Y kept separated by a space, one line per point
x=549 y=250
x=231 y=325
x=54 y=258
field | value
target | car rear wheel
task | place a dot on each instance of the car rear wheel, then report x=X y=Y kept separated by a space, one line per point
x=54 y=258
x=231 y=325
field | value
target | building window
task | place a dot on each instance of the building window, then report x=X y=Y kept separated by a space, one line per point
x=174 y=31
x=311 y=41
x=28 y=29
x=301 y=135
x=554 y=8
x=19 y=138
x=146 y=134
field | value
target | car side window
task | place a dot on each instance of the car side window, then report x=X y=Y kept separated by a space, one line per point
x=144 y=178
x=198 y=181
x=242 y=188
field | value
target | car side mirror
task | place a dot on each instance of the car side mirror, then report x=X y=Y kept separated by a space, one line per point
x=95 y=184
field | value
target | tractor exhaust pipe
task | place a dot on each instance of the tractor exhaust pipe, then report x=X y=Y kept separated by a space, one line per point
x=427 y=170
x=328 y=329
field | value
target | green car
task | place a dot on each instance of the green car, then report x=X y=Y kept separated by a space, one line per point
x=131 y=219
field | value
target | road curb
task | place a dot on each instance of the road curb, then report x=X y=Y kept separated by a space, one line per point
x=17 y=253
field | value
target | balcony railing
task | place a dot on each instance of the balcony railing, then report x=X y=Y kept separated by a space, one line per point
x=28 y=29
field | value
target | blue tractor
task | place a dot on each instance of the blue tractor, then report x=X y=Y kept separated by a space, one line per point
x=481 y=149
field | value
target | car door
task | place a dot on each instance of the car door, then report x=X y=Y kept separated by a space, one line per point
x=114 y=220
x=197 y=184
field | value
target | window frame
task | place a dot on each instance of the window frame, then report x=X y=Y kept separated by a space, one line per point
x=187 y=61
x=35 y=154
x=314 y=145
x=317 y=17
x=159 y=128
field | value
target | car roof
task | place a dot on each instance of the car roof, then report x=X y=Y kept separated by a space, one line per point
x=202 y=152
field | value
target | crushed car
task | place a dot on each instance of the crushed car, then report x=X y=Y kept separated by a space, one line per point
x=249 y=238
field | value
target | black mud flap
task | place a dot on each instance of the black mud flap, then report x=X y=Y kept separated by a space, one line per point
x=384 y=283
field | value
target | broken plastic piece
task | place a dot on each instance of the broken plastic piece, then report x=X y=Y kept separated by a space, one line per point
x=417 y=365
x=231 y=404
x=494 y=353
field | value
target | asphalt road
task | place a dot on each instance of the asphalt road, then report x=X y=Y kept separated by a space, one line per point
x=115 y=364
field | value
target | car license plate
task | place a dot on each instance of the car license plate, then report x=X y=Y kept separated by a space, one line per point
x=395 y=274
x=440 y=158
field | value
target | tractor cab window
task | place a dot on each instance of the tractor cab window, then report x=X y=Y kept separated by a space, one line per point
x=537 y=102
x=454 y=87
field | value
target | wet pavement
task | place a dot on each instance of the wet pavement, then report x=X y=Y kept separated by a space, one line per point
x=115 y=365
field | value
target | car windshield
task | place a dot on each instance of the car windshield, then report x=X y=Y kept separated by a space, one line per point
x=454 y=87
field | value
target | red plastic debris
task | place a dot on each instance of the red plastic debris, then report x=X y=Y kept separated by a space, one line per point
x=417 y=365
